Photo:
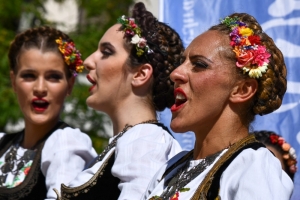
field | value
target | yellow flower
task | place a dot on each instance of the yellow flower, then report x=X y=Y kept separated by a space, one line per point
x=245 y=31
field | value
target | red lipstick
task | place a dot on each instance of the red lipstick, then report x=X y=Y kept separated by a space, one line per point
x=39 y=104
x=91 y=81
x=180 y=99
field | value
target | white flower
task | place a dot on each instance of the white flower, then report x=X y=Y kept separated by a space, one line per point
x=292 y=152
x=256 y=72
x=123 y=17
x=135 y=39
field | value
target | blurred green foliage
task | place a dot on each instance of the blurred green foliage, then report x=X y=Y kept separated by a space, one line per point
x=95 y=17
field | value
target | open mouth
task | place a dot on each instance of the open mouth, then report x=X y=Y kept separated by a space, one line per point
x=91 y=81
x=40 y=104
x=180 y=99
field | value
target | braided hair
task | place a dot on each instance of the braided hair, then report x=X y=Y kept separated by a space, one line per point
x=167 y=47
x=42 y=38
x=272 y=84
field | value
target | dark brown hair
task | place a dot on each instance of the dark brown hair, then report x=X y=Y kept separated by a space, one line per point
x=167 y=48
x=42 y=38
x=272 y=84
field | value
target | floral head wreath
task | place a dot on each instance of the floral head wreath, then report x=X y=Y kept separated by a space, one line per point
x=72 y=56
x=251 y=55
x=134 y=33
x=289 y=154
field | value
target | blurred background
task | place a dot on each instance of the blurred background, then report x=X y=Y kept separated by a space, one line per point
x=85 y=21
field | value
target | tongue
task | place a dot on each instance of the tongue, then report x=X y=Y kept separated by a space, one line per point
x=178 y=102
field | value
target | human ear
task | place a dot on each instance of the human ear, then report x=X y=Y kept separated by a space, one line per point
x=71 y=82
x=12 y=79
x=244 y=90
x=142 y=75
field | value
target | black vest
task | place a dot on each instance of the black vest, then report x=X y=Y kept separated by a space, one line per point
x=33 y=187
x=103 y=185
x=209 y=188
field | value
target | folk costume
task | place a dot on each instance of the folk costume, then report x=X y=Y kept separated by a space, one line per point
x=33 y=173
x=124 y=170
x=246 y=170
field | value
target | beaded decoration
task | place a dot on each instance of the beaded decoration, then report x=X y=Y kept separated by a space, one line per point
x=289 y=154
x=251 y=55
x=134 y=33
x=71 y=55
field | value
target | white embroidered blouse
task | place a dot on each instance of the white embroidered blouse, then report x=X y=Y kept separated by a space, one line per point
x=139 y=153
x=64 y=155
x=253 y=174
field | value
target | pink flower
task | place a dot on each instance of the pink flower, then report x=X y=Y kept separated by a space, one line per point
x=244 y=58
x=261 y=56
x=131 y=23
x=142 y=43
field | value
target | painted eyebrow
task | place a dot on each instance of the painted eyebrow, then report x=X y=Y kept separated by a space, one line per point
x=107 y=44
x=202 y=57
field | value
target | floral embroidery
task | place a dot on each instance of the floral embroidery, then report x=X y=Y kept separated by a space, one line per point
x=252 y=56
x=175 y=197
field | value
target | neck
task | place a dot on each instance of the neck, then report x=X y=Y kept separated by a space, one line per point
x=33 y=133
x=214 y=137
x=131 y=113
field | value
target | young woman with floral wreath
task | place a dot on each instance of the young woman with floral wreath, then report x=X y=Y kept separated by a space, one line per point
x=47 y=152
x=228 y=74
x=130 y=76
x=281 y=149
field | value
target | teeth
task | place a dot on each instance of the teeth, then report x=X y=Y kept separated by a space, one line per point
x=180 y=96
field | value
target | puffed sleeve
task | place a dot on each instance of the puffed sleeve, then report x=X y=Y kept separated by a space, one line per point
x=65 y=154
x=140 y=152
x=253 y=175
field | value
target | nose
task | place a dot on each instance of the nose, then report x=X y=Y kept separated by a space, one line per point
x=179 y=75
x=89 y=63
x=40 y=87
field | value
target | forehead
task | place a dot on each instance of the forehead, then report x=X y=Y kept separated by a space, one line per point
x=38 y=60
x=209 y=44
x=114 y=36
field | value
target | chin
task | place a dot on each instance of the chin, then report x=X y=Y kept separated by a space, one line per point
x=177 y=127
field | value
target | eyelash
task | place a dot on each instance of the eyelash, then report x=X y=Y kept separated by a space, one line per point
x=200 y=64
x=55 y=76
x=106 y=52
x=27 y=76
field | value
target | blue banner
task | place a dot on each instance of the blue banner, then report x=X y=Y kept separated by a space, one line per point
x=280 y=19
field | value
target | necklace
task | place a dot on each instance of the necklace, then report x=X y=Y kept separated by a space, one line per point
x=183 y=176
x=120 y=134
x=12 y=162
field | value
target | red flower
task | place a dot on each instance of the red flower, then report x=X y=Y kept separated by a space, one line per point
x=254 y=39
x=274 y=138
x=244 y=58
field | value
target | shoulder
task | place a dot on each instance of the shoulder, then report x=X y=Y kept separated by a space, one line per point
x=151 y=132
x=255 y=166
x=68 y=134
x=66 y=138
